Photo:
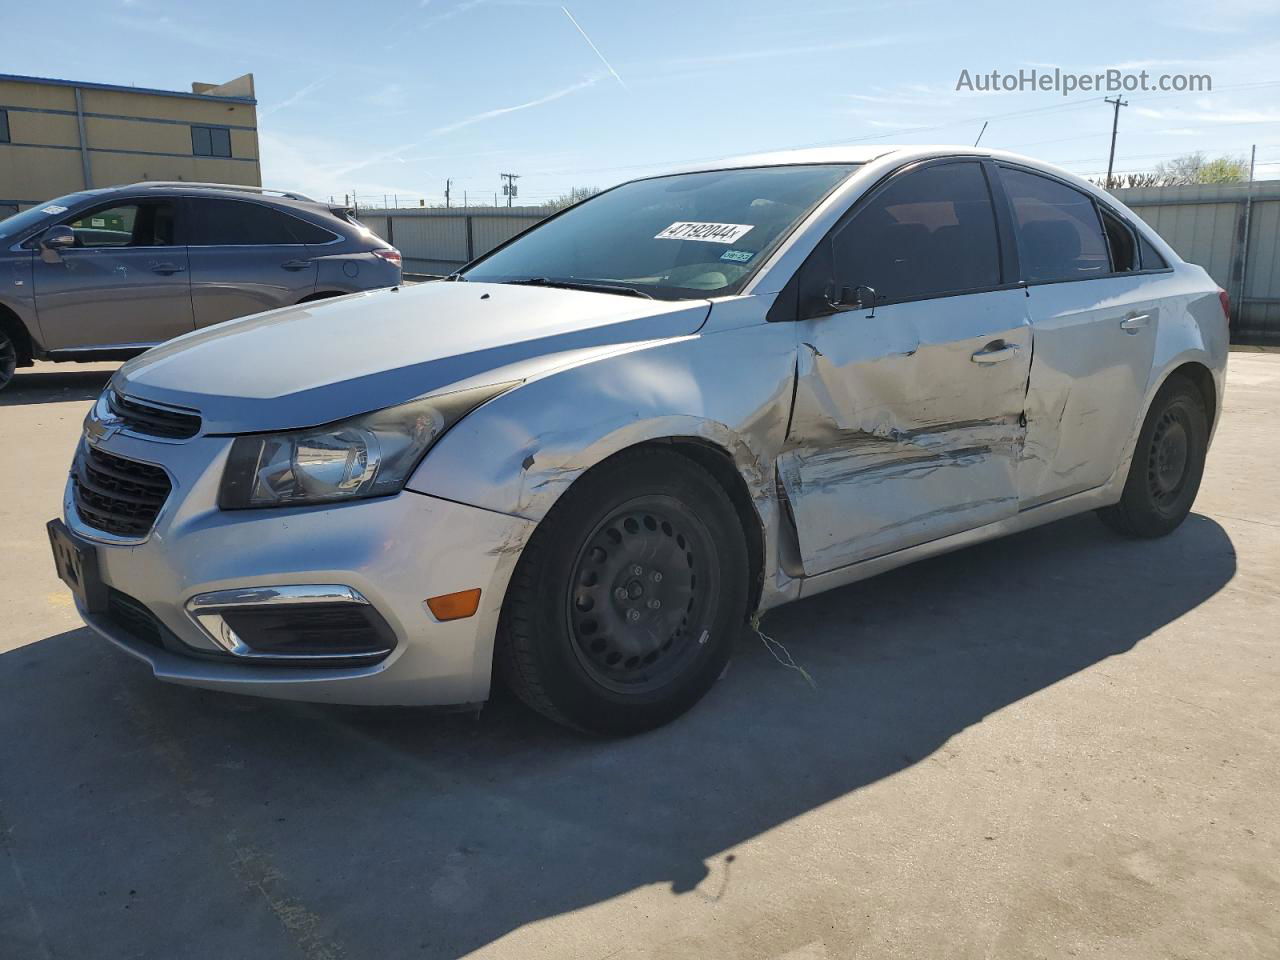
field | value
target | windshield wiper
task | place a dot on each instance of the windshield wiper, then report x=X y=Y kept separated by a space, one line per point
x=601 y=286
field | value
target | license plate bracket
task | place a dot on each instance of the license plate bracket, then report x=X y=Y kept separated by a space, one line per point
x=76 y=560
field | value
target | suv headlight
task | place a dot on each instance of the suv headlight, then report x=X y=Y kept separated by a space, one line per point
x=366 y=456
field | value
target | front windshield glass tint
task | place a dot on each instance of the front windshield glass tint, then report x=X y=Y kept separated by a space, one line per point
x=22 y=222
x=678 y=237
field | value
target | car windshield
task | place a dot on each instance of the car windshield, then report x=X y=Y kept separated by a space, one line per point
x=686 y=236
x=20 y=223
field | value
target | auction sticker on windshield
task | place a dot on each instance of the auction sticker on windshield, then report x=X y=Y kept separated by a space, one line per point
x=706 y=232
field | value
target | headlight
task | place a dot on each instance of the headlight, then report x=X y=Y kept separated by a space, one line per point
x=366 y=456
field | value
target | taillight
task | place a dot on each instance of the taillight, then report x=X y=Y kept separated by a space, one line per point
x=1226 y=304
x=389 y=254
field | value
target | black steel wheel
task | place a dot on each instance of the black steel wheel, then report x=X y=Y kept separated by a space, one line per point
x=8 y=359
x=1168 y=462
x=644 y=575
x=626 y=603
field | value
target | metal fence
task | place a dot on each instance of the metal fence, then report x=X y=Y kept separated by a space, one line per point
x=1232 y=230
x=438 y=240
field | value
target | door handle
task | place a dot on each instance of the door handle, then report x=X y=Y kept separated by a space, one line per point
x=166 y=269
x=1134 y=324
x=296 y=264
x=994 y=352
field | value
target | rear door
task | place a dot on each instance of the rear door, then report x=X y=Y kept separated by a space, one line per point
x=246 y=257
x=125 y=284
x=1095 y=314
x=907 y=419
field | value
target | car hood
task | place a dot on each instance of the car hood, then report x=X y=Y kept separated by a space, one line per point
x=319 y=362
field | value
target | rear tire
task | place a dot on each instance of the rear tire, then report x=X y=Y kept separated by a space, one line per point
x=628 y=598
x=1168 y=463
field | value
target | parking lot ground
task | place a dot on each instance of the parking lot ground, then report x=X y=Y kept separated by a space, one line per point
x=1059 y=744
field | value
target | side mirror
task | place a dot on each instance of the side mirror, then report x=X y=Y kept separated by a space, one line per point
x=56 y=238
x=857 y=296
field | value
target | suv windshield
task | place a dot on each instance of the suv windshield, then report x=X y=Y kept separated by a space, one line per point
x=24 y=221
x=686 y=236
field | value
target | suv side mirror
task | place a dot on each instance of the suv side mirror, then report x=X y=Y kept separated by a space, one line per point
x=57 y=237
x=856 y=296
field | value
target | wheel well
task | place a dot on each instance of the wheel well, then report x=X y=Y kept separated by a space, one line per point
x=17 y=332
x=719 y=463
x=1200 y=375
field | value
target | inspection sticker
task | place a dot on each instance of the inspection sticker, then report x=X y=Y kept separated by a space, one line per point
x=737 y=256
x=53 y=208
x=706 y=232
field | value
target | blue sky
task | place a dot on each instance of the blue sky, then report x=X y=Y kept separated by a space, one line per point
x=393 y=97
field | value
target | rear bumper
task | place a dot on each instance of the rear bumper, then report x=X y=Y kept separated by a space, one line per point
x=394 y=551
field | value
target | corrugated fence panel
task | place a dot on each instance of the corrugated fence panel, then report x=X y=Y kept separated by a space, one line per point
x=1202 y=233
x=375 y=223
x=491 y=231
x=432 y=238
x=1259 y=310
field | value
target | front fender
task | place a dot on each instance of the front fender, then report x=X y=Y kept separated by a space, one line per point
x=518 y=453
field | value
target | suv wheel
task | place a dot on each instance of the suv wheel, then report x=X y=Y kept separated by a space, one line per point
x=1168 y=463
x=8 y=358
x=627 y=601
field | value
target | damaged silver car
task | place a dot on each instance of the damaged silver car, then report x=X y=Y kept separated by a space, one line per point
x=586 y=460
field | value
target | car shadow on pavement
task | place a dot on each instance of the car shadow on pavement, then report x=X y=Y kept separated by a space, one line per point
x=46 y=386
x=144 y=816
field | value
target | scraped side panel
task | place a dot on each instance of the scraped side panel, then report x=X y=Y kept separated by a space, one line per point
x=897 y=436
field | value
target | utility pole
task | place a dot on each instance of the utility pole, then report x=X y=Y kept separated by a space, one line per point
x=509 y=188
x=1117 y=103
x=447 y=185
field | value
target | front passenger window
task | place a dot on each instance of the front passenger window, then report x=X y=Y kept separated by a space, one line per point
x=929 y=232
x=146 y=224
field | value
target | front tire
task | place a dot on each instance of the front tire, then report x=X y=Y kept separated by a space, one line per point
x=628 y=598
x=8 y=359
x=1168 y=463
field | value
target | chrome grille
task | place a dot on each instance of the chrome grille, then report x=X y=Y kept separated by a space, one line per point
x=138 y=416
x=115 y=495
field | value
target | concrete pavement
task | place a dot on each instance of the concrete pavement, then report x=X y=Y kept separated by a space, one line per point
x=1058 y=744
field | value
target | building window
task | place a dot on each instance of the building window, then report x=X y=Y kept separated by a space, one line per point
x=4 y=126
x=211 y=141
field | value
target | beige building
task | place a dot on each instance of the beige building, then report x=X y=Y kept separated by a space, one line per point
x=59 y=136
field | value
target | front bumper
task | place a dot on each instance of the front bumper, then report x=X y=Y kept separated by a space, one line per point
x=395 y=551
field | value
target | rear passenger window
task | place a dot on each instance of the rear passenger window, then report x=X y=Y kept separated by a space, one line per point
x=1059 y=234
x=240 y=223
x=929 y=232
x=1124 y=250
x=1151 y=259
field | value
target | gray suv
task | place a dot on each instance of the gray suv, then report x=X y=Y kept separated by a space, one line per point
x=105 y=274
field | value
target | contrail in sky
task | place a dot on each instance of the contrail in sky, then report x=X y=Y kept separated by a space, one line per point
x=608 y=65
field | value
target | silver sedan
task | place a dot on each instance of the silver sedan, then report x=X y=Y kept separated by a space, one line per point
x=585 y=462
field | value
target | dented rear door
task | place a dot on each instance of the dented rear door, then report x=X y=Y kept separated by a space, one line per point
x=907 y=425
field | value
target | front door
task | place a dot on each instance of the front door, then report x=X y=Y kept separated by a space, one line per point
x=907 y=420
x=124 y=284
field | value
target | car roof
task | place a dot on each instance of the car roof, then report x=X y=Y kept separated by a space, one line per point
x=891 y=154
x=280 y=198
